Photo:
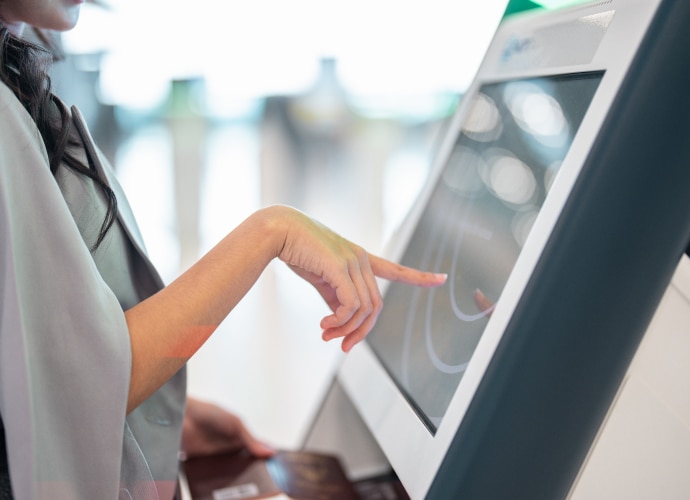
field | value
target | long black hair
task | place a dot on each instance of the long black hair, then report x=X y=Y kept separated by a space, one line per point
x=25 y=69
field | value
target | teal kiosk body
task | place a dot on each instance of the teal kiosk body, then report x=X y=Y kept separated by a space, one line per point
x=553 y=364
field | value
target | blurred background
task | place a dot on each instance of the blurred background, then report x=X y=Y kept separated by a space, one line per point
x=209 y=110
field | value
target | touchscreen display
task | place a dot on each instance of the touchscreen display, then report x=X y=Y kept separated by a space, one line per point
x=513 y=140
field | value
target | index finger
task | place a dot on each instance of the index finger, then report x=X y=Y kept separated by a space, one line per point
x=393 y=271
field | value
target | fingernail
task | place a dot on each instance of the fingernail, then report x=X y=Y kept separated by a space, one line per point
x=265 y=449
x=442 y=276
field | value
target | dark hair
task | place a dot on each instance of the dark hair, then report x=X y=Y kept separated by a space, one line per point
x=24 y=68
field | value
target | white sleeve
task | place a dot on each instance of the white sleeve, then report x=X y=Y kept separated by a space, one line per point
x=65 y=356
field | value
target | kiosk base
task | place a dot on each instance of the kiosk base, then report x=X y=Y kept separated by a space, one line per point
x=339 y=430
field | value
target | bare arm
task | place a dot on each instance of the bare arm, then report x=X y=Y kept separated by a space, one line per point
x=169 y=327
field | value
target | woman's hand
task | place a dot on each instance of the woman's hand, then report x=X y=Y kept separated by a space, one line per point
x=209 y=429
x=345 y=276
x=167 y=328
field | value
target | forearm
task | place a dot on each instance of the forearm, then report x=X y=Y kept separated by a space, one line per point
x=169 y=327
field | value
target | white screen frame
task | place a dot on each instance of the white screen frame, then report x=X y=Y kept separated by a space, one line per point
x=413 y=452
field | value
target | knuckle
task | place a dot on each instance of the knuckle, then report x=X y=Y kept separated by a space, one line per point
x=359 y=253
x=367 y=307
x=377 y=303
x=377 y=297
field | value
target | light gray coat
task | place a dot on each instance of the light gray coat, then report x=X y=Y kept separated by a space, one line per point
x=65 y=355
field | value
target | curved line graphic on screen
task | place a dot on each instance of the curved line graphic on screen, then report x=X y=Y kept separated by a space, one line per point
x=407 y=336
x=441 y=365
x=424 y=264
x=407 y=339
x=453 y=300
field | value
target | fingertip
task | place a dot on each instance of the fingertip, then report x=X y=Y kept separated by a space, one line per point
x=329 y=322
x=440 y=279
x=329 y=334
x=325 y=322
x=263 y=450
x=351 y=340
x=340 y=316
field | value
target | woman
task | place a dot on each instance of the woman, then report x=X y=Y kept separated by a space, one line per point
x=92 y=345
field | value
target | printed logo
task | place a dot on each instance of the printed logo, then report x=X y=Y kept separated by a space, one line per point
x=517 y=46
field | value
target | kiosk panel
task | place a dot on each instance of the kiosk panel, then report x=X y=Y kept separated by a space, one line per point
x=511 y=160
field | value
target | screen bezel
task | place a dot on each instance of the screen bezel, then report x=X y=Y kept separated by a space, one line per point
x=376 y=397
x=481 y=224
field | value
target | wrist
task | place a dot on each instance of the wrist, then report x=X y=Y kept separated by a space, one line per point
x=274 y=222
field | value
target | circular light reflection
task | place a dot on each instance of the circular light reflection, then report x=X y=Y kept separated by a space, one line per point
x=483 y=123
x=537 y=113
x=462 y=174
x=522 y=223
x=550 y=174
x=510 y=180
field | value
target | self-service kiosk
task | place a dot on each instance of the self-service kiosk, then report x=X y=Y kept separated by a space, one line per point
x=554 y=363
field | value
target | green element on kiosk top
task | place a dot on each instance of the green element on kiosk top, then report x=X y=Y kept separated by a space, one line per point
x=516 y=6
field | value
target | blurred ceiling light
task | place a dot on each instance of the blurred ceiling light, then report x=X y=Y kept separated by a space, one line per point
x=410 y=47
x=383 y=48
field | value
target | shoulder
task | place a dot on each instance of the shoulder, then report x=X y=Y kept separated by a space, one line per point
x=23 y=155
x=18 y=132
